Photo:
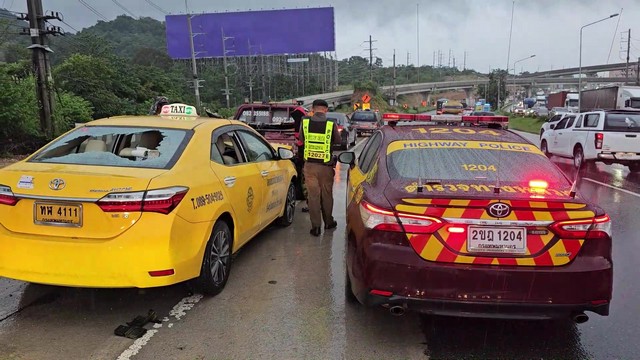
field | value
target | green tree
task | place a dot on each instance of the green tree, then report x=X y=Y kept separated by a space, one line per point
x=497 y=82
x=69 y=110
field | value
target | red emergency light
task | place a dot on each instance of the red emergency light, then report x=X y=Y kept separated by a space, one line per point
x=465 y=120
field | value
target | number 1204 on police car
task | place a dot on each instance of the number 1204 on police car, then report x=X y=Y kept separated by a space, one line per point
x=497 y=239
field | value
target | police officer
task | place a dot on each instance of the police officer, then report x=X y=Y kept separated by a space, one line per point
x=318 y=136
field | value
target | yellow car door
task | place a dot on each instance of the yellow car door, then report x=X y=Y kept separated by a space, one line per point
x=273 y=180
x=242 y=183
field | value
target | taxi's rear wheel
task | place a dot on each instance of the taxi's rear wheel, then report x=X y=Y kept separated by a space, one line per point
x=289 y=207
x=217 y=260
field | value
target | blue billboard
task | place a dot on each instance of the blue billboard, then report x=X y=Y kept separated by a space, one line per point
x=266 y=32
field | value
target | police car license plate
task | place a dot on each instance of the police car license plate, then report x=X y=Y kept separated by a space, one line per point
x=486 y=239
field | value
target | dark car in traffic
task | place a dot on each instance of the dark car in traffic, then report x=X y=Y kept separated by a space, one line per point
x=445 y=219
x=366 y=121
x=348 y=134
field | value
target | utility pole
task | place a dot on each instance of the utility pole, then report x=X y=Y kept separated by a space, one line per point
x=464 y=66
x=194 y=66
x=628 y=52
x=449 y=62
x=38 y=33
x=638 y=73
x=371 y=41
x=434 y=59
x=418 y=38
x=226 y=90
x=408 y=60
x=395 y=91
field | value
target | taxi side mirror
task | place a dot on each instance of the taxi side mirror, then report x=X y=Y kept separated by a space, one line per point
x=285 y=154
x=348 y=157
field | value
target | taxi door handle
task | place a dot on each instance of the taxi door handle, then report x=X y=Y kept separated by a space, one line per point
x=230 y=181
x=264 y=173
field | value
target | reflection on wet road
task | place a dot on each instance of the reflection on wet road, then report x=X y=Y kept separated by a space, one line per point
x=285 y=299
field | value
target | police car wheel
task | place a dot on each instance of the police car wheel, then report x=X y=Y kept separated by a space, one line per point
x=289 y=207
x=216 y=263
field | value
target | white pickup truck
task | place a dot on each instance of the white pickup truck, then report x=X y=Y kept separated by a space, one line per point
x=608 y=136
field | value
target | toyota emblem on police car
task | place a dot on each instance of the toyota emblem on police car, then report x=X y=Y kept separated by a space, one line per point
x=499 y=210
x=56 y=184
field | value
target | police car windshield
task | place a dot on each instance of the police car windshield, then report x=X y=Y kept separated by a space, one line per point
x=363 y=116
x=452 y=161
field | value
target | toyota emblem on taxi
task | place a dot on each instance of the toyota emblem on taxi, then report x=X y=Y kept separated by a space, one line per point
x=499 y=210
x=56 y=184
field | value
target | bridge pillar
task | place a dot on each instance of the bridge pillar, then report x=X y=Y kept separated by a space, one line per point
x=468 y=94
x=428 y=98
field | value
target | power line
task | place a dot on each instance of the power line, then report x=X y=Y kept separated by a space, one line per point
x=93 y=10
x=125 y=9
x=157 y=7
x=68 y=25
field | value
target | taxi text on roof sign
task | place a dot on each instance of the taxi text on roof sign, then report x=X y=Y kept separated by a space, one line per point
x=178 y=110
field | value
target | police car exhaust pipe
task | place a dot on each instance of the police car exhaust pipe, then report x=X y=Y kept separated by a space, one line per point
x=580 y=318
x=397 y=310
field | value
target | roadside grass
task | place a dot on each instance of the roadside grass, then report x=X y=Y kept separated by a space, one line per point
x=526 y=124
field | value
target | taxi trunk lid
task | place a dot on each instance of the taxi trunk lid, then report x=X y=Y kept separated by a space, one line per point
x=64 y=200
x=526 y=228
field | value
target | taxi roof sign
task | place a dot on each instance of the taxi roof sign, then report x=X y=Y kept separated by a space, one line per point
x=180 y=110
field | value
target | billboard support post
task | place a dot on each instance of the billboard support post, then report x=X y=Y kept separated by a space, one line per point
x=194 y=67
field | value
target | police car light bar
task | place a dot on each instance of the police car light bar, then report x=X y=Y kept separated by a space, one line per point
x=393 y=118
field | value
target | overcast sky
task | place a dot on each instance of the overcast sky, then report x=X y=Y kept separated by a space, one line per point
x=547 y=28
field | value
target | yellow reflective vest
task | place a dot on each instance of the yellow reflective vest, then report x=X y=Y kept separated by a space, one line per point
x=317 y=146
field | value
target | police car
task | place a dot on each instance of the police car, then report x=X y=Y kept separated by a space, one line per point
x=142 y=201
x=471 y=221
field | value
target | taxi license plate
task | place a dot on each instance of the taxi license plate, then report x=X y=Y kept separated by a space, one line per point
x=57 y=214
x=483 y=239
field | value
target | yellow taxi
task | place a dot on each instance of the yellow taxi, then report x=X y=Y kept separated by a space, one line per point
x=142 y=201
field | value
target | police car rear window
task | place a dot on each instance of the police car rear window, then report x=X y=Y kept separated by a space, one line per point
x=135 y=147
x=483 y=162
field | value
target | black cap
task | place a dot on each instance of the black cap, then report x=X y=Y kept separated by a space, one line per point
x=320 y=102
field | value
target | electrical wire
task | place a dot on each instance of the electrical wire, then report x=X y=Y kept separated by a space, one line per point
x=155 y=6
x=125 y=9
x=93 y=10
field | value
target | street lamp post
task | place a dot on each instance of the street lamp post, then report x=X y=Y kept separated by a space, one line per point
x=514 y=69
x=580 y=61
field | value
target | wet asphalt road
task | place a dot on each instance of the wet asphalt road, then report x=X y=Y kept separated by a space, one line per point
x=285 y=300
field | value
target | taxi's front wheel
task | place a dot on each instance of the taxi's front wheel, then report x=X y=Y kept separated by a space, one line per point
x=289 y=207
x=217 y=260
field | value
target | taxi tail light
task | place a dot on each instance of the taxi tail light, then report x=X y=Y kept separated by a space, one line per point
x=599 y=139
x=340 y=128
x=376 y=218
x=159 y=200
x=591 y=229
x=6 y=196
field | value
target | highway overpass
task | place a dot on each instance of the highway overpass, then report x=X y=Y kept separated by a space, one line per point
x=592 y=69
x=344 y=97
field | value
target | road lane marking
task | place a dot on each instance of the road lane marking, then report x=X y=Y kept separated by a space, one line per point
x=178 y=311
x=612 y=187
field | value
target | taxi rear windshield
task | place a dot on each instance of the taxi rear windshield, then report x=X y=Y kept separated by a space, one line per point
x=266 y=115
x=363 y=116
x=449 y=163
x=135 y=147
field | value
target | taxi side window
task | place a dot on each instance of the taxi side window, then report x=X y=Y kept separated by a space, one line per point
x=225 y=150
x=256 y=149
x=370 y=153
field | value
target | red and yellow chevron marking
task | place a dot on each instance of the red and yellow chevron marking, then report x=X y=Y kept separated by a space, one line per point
x=542 y=249
x=430 y=248
x=475 y=209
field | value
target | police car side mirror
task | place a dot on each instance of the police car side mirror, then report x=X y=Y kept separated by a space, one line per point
x=285 y=154
x=347 y=157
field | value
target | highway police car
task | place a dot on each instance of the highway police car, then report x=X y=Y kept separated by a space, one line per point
x=471 y=221
x=142 y=201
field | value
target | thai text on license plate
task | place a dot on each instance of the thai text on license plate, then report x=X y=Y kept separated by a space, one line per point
x=506 y=240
